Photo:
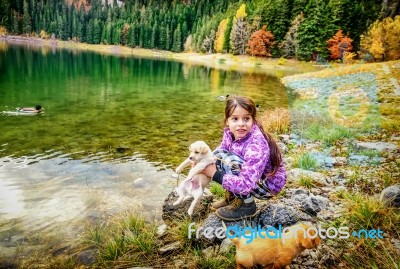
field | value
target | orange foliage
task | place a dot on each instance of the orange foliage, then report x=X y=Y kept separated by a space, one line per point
x=339 y=44
x=261 y=42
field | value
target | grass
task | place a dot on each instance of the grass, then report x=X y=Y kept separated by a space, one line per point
x=215 y=260
x=276 y=121
x=306 y=161
x=328 y=134
x=217 y=190
x=221 y=60
x=306 y=182
x=125 y=238
x=366 y=212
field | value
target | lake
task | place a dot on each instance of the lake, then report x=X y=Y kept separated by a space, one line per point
x=113 y=130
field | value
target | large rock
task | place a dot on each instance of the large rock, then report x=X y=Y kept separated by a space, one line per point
x=390 y=196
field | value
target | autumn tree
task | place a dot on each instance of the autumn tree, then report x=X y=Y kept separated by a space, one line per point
x=290 y=43
x=219 y=37
x=382 y=39
x=339 y=44
x=261 y=42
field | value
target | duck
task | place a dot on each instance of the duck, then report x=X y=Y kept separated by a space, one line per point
x=36 y=109
x=222 y=98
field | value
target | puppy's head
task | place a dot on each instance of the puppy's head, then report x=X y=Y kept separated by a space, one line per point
x=308 y=236
x=198 y=150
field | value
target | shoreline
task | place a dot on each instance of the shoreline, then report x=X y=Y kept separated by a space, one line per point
x=278 y=67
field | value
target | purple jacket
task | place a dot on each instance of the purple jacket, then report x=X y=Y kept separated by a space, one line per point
x=254 y=150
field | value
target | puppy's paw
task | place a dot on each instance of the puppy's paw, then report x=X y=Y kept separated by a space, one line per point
x=175 y=175
x=190 y=212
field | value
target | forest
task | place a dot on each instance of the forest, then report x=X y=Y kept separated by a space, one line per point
x=301 y=29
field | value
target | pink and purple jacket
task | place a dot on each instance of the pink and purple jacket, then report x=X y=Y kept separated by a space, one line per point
x=254 y=150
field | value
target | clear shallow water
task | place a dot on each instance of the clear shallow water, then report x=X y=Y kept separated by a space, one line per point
x=112 y=132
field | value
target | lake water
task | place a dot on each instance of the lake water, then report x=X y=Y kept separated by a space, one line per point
x=112 y=132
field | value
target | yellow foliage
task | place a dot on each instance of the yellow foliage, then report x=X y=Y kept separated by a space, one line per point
x=382 y=39
x=219 y=39
x=241 y=12
x=348 y=57
x=43 y=34
x=3 y=31
x=276 y=120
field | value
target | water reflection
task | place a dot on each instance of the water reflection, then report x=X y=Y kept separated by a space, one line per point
x=47 y=193
x=100 y=103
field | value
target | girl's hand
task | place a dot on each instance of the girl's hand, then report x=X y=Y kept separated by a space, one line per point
x=210 y=170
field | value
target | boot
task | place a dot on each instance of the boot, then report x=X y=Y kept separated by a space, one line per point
x=237 y=211
x=227 y=200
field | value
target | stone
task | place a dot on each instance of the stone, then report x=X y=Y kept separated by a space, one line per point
x=282 y=147
x=378 y=146
x=225 y=246
x=284 y=138
x=167 y=249
x=390 y=196
x=161 y=229
x=320 y=179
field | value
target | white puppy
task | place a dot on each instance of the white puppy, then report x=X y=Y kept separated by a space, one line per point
x=195 y=183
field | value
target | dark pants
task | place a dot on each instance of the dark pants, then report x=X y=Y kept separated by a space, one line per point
x=231 y=164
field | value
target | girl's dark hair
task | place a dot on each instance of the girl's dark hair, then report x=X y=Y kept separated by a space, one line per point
x=38 y=107
x=248 y=105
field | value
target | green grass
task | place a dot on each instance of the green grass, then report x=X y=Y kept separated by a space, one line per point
x=306 y=182
x=366 y=212
x=125 y=238
x=221 y=60
x=217 y=190
x=215 y=260
x=328 y=134
x=307 y=162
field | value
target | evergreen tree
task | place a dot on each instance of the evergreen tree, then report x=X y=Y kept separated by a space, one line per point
x=177 y=43
x=314 y=31
x=162 y=37
x=290 y=43
x=97 y=30
x=26 y=19
x=227 y=36
x=240 y=32
x=4 y=11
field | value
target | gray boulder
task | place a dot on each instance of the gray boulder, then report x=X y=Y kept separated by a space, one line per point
x=390 y=196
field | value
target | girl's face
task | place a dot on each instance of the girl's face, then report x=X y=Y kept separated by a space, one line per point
x=240 y=122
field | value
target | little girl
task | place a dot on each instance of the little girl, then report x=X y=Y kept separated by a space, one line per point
x=248 y=161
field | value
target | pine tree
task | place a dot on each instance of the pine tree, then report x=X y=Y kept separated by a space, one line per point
x=177 y=43
x=26 y=19
x=97 y=30
x=227 y=36
x=240 y=32
x=290 y=43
